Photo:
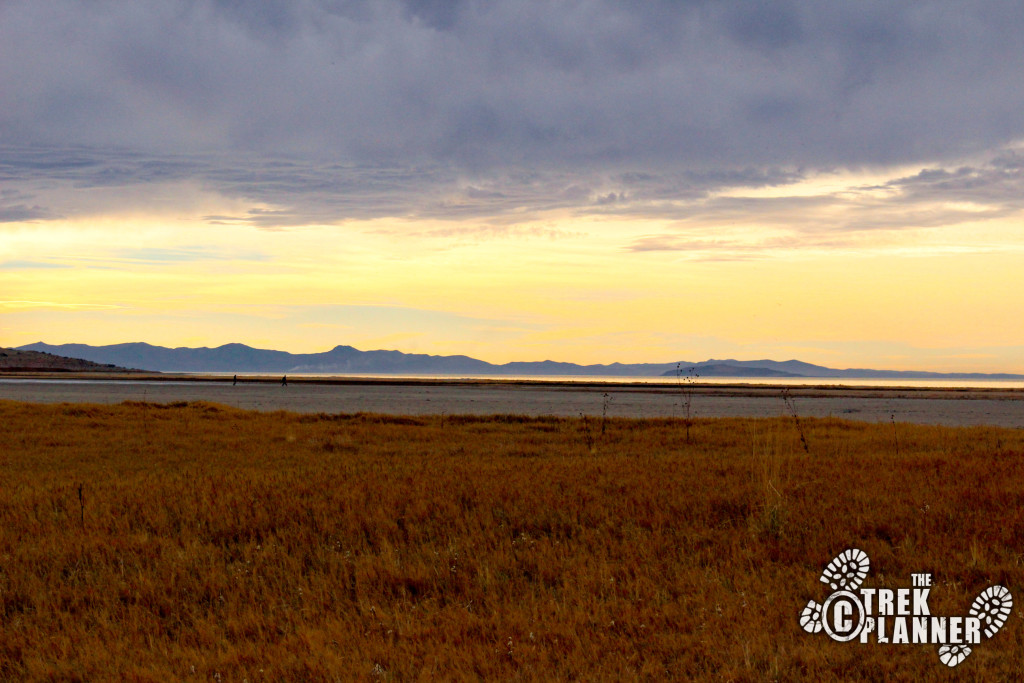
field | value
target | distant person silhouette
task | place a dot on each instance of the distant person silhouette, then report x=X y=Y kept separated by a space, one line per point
x=284 y=381
x=234 y=381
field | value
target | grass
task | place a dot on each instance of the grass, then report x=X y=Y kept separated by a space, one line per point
x=198 y=542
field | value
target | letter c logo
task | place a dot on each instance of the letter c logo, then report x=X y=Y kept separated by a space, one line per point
x=837 y=616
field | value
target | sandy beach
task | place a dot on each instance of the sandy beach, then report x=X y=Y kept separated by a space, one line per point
x=954 y=407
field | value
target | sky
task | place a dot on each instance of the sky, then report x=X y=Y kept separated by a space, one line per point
x=586 y=181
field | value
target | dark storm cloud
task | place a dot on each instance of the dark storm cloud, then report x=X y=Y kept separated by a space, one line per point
x=334 y=109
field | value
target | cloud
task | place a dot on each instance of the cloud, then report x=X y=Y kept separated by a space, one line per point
x=160 y=256
x=324 y=110
x=291 y=192
x=752 y=226
x=995 y=183
x=20 y=213
x=487 y=84
x=30 y=305
x=19 y=264
x=703 y=250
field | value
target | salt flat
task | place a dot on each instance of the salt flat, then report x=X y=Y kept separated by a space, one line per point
x=947 y=407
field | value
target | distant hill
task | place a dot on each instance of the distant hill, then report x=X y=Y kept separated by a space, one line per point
x=712 y=368
x=348 y=360
x=340 y=359
x=19 y=360
x=796 y=368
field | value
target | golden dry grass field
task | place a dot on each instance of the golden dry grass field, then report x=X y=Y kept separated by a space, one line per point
x=197 y=542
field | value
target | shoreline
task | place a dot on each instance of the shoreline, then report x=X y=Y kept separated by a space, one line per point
x=752 y=387
x=951 y=406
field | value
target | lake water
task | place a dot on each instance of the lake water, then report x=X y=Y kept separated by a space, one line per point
x=183 y=378
x=672 y=381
